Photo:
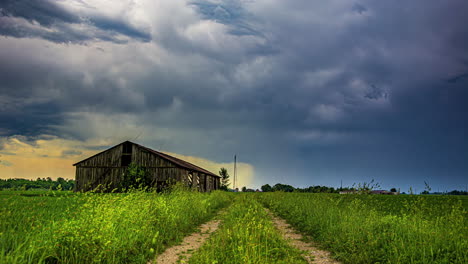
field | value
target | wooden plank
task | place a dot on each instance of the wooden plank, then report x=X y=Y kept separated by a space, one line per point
x=107 y=157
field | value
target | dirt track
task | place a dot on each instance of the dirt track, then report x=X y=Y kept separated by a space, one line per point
x=188 y=245
x=181 y=253
x=311 y=253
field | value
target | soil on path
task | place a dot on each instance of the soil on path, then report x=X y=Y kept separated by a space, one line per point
x=181 y=253
x=311 y=253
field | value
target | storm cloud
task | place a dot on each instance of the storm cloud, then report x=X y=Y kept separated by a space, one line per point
x=64 y=22
x=307 y=92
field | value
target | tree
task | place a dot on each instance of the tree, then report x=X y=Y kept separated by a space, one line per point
x=266 y=188
x=135 y=177
x=427 y=188
x=393 y=190
x=224 y=179
x=283 y=187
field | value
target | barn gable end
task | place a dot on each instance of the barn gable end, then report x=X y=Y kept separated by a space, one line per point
x=108 y=167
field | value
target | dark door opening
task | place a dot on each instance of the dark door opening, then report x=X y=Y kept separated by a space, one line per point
x=126 y=154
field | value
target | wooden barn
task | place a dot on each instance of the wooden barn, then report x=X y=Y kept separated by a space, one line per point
x=108 y=167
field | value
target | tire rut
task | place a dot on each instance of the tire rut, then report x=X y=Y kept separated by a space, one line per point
x=182 y=252
x=311 y=253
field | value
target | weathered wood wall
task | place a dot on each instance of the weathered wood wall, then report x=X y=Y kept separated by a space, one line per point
x=105 y=169
x=89 y=178
x=102 y=169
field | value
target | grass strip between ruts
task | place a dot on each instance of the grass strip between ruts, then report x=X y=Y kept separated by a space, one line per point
x=246 y=235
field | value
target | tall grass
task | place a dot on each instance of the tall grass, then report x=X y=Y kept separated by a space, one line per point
x=378 y=229
x=26 y=215
x=246 y=235
x=103 y=228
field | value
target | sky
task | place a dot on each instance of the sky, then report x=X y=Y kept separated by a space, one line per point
x=304 y=92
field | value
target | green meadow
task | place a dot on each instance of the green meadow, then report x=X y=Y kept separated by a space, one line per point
x=134 y=227
x=379 y=228
x=62 y=227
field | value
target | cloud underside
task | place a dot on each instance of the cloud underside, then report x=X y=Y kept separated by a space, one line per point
x=317 y=89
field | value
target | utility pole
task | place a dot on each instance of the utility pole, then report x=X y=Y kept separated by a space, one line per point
x=235 y=172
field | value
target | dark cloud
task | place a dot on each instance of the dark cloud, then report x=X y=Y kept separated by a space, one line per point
x=120 y=27
x=32 y=119
x=359 y=8
x=376 y=93
x=71 y=152
x=458 y=78
x=48 y=20
x=318 y=91
x=45 y=12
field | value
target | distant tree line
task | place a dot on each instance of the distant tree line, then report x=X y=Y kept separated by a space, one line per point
x=454 y=192
x=44 y=183
x=325 y=189
x=310 y=189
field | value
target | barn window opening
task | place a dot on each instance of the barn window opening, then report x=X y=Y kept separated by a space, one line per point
x=127 y=148
x=126 y=154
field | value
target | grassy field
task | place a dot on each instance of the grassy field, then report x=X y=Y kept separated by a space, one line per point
x=61 y=227
x=66 y=227
x=377 y=228
x=28 y=217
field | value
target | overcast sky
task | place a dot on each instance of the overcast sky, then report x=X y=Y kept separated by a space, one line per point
x=304 y=92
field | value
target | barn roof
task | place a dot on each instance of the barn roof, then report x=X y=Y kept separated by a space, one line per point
x=181 y=163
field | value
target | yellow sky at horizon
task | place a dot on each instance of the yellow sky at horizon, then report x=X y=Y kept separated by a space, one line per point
x=245 y=171
x=54 y=157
